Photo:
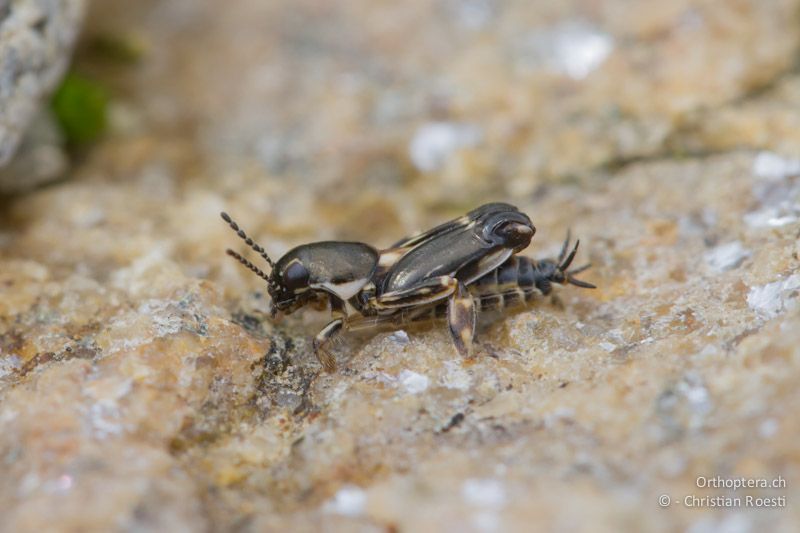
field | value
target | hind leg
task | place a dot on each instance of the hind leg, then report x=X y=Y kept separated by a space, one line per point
x=323 y=340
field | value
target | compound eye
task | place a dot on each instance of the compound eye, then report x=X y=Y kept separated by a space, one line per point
x=295 y=276
x=514 y=234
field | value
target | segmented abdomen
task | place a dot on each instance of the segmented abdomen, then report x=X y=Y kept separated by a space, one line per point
x=518 y=280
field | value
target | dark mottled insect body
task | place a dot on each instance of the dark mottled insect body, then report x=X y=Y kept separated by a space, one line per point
x=454 y=270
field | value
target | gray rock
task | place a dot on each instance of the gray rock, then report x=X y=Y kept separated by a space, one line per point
x=40 y=157
x=36 y=38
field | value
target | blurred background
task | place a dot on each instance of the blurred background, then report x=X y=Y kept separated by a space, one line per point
x=142 y=387
x=431 y=104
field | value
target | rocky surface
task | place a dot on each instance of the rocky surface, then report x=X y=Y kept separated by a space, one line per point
x=142 y=386
x=40 y=158
x=36 y=38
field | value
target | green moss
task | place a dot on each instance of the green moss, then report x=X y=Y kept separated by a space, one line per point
x=80 y=106
x=119 y=49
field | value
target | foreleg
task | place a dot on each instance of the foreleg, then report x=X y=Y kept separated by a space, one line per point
x=323 y=339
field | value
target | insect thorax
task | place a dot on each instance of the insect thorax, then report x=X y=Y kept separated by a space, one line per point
x=337 y=268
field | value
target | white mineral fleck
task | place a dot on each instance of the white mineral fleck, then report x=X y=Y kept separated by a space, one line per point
x=399 y=337
x=768 y=428
x=770 y=300
x=673 y=464
x=62 y=483
x=137 y=277
x=558 y=415
x=380 y=377
x=726 y=256
x=772 y=166
x=607 y=346
x=104 y=421
x=574 y=48
x=435 y=142
x=710 y=350
x=163 y=315
x=732 y=523
x=87 y=216
x=348 y=501
x=778 y=199
x=413 y=383
x=30 y=482
x=694 y=390
x=9 y=365
x=486 y=521
x=771 y=217
x=455 y=377
x=616 y=335
x=484 y=492
x=474 y=14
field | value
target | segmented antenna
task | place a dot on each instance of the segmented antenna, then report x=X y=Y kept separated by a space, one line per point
x=240 y=232
x=258 y=272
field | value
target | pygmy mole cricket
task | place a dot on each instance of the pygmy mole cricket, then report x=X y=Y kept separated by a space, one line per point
x=455 y=270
